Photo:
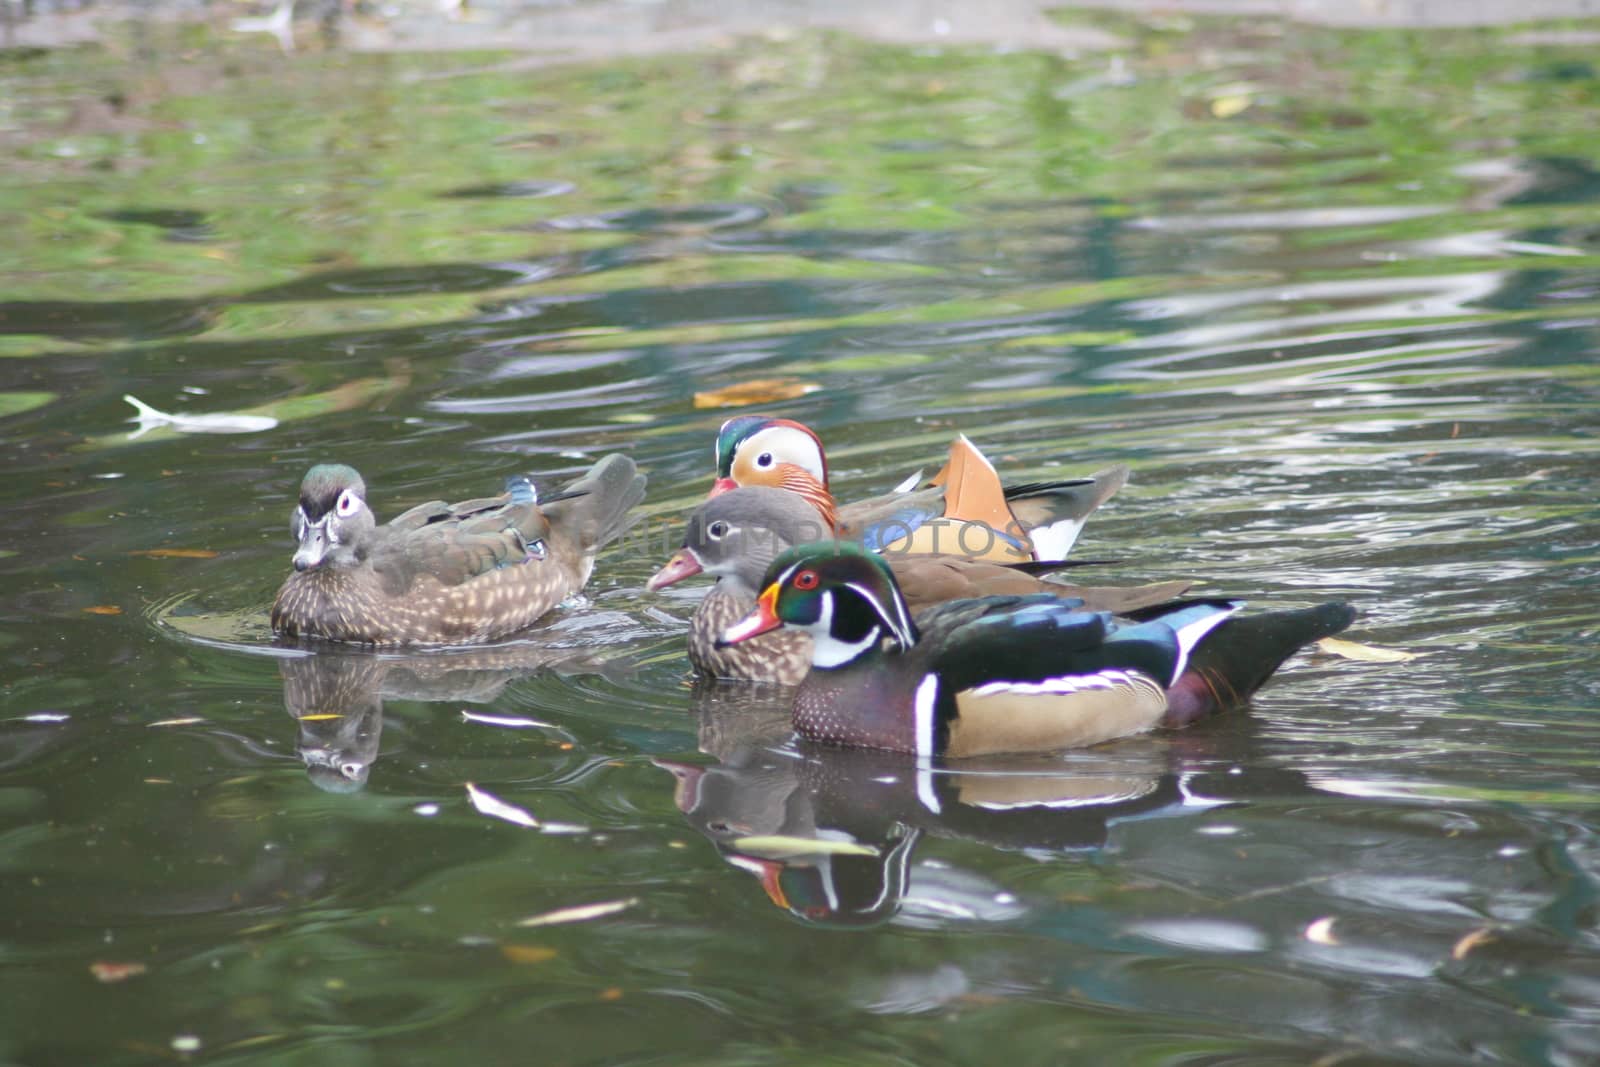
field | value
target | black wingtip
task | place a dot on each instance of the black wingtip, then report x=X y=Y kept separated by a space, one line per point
x=562 y=494
x=1237 y=657
x=1041 y=567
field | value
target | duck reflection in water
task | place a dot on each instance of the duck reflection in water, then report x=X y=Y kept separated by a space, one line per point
x=336 y=698
x=830 y=833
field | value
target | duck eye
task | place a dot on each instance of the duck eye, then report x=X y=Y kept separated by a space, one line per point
x=717 y=530
x=348 y=504
x=764 y=460
x=806 y=580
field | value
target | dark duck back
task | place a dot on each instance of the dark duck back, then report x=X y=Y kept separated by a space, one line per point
x=733 y=537
x=1007 y=673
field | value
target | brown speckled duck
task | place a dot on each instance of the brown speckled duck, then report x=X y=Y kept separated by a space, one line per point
x=735 y=535
x=444 y=573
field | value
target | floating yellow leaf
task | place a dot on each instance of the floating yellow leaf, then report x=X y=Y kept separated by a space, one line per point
x=1320 y=932
x=1365 y=653
x=580 y=913
x=108 y=971
x=528 y=953
x=321 y=716
x=781 y=845
x=1225 y=107
x=760 y=391
x=175 y=722
x=104 y=609
x=1481 y=936
x=174 y=553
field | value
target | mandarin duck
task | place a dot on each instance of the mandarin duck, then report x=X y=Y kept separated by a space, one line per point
x=963 y=510
x=445 y=573
x=735 y=536
x=1007 y=673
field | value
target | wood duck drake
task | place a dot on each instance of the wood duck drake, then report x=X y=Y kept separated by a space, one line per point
x=735 y=536
x=445 y=573
x=963 y=510
x=1007 y=673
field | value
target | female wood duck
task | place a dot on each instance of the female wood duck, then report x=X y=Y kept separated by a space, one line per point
x=1007 y=673
x=963 y=510
x=735 y=536
x=444 y=573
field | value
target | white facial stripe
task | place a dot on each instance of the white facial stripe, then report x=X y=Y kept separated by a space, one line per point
x=897 y=621
x=787 y=445
x=829 y=651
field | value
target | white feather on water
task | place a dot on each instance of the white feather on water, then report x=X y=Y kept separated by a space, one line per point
x=149 y=418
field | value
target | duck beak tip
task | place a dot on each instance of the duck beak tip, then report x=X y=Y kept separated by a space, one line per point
x=682 y=565
x=758 y=622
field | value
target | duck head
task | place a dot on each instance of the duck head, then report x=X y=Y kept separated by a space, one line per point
x=332 y=522
x=735 y=536
x=761 y=450
x=842 y=595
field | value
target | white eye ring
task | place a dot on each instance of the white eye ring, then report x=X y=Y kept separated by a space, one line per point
x=348 y=504
x=764 y=460
x=717 y=530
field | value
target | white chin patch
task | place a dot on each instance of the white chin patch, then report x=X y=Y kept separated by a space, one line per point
x=826 y=649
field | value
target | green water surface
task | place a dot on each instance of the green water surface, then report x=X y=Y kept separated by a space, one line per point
x=1333 y=295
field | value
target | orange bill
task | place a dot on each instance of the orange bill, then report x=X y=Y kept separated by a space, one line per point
x=759 y=621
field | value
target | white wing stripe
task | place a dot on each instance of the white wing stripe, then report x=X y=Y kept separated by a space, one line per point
x=1071 y=683
x=1189 y=636
x=926 y=700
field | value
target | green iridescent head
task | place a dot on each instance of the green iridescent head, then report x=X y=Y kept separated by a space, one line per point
x=840 y=593
x=756 y=449
x=732 y=435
